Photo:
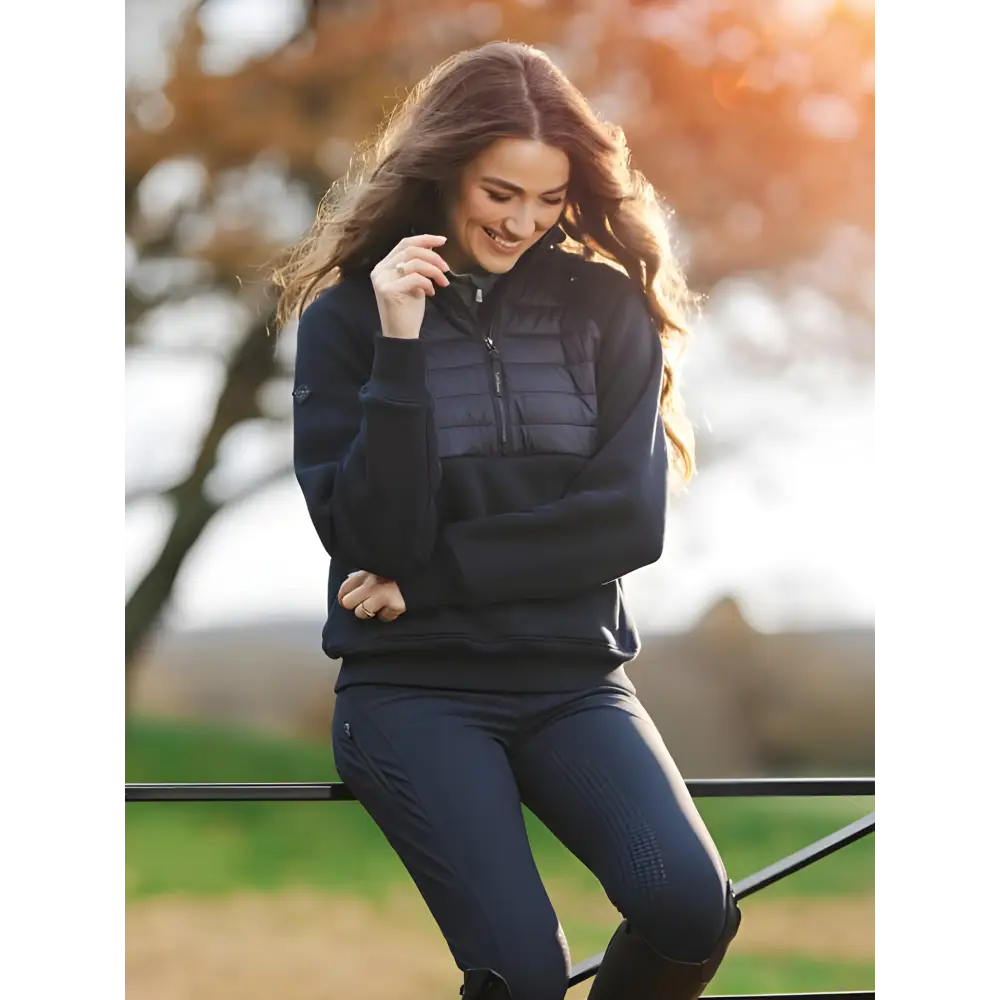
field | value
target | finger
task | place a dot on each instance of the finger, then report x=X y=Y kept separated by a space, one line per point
x=415 y=283
x=389 y=601
x=365 y=611
x=358 y=594
x=416 y=265
x=378 y=605
x=353 y=581
x=418 y=253
x=421 y=240
x=383 y=601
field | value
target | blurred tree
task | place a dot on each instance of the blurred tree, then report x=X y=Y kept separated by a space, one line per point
x=754 y=119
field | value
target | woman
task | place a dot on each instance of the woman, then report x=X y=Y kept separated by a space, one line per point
x=484 y=417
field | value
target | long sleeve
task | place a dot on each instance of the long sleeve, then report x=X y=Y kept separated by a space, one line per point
x=364 y=445
x=610 y=521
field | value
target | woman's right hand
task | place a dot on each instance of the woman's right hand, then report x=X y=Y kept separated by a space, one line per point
x=371 y=596
x=403 y=279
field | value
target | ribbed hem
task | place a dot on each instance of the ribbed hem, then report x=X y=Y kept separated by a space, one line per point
x=398 y=370
x=459 y=670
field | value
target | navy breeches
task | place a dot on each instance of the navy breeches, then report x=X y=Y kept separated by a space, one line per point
x=444 y=774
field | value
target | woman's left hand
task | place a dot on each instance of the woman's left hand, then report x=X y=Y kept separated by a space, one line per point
x=371 y=596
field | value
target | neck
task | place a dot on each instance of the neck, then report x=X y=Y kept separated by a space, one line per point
x=460 y=263
x=471 y=268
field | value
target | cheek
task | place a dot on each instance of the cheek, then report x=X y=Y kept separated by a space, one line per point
x=478 y=210
x=549 y=214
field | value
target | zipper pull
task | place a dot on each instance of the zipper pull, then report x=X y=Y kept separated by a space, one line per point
x=479 y=295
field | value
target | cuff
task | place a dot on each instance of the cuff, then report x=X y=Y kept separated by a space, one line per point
x=399 y=371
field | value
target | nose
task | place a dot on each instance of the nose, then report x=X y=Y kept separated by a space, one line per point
x=521 y=225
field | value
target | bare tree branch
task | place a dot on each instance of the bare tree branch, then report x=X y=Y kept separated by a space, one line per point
x=249 y=367
x=195 y=352
x=137 y=305
x=136 y=496
x=250 y=489
x=241 y=495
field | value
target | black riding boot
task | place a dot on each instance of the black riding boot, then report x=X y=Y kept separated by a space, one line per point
x=631 y=969
x=484 y=984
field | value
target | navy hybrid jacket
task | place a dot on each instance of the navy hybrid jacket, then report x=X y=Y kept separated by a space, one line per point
x=506 y=469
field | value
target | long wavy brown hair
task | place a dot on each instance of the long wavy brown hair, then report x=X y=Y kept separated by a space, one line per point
x=465 y=103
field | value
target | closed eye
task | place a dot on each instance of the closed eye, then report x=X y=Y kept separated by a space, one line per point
x=507 y=197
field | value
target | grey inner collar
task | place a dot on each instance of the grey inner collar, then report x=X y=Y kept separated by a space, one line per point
x=473 y=287
x=483 y=280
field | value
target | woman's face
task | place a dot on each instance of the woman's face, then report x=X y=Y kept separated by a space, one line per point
x=508 y=197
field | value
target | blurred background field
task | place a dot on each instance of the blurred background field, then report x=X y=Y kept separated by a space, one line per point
x=755 y=123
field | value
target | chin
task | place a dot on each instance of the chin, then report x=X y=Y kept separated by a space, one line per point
x=497 y=266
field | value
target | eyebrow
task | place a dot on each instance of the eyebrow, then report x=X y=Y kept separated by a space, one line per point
x=517 y=190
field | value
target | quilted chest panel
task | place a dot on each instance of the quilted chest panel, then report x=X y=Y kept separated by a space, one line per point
x=536 y=395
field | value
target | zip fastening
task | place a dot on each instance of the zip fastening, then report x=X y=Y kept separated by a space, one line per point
x=500 y=406
x=461 y=316
x=499 y=409
x=374 y=772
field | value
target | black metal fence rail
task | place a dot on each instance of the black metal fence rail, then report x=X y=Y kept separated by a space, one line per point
x=337 y=791
x=699 y=788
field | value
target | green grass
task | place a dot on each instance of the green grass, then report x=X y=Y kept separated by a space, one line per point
x=790 y=973
x=215 y=847
x=208 y=848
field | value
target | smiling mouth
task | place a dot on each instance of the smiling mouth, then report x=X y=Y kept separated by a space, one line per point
x=503 y=244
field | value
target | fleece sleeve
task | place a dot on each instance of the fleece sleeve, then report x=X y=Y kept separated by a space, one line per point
x=363 y=440
x=611 y=519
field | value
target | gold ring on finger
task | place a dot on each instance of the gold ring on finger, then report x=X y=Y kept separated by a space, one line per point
x=401 y=268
